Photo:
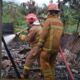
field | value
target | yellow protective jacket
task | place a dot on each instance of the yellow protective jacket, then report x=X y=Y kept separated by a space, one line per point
x=52 y=32
x=33 y=35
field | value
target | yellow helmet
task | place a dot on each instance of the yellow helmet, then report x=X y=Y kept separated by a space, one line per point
x=53 y=6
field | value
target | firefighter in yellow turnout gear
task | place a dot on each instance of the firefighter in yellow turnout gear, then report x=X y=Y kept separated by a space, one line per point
x=50 y=41
x=33 y=38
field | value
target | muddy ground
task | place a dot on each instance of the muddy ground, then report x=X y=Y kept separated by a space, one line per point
x=18 y=51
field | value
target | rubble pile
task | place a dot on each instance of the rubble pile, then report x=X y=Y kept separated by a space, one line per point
x=19 y=50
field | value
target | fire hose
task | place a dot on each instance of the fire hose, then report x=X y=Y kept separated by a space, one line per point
x=11 y=59
x=61 y=51
x=67 y=66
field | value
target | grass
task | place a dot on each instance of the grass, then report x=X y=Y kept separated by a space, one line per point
x=71 y=28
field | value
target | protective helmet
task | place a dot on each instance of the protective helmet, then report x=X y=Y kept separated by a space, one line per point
x=31 y=18
x=53 y=6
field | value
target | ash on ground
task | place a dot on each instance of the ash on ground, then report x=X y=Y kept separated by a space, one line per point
x=19 y=50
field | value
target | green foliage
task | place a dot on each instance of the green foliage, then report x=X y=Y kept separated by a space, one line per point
x=70 y=15
x=70 y=18
x=17 y=16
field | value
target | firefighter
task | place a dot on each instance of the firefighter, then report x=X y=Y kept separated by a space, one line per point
x=50 y=41
x=30 y=18
x=32 y=37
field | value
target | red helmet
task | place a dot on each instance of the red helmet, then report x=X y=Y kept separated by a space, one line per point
x=53 y=6
x=31 y=18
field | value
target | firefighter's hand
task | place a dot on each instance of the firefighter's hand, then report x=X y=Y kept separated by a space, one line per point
x=23 y=37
